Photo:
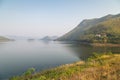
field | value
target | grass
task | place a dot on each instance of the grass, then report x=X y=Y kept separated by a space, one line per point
x=97 y=67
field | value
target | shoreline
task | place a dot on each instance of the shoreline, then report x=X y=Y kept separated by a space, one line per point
x=7 y=40
x=94 y=44
x=80 y=70
x=106 y=44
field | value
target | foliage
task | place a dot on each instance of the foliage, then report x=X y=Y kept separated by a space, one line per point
x=29 y=71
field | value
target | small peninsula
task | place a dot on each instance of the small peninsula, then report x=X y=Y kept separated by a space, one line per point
x=4 y=39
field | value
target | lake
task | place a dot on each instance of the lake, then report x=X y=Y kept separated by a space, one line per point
x=17 y=56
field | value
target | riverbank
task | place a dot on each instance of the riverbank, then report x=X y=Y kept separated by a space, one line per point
x=101 y=67
x=101 y=44
x=93 y=44
x=105 y=44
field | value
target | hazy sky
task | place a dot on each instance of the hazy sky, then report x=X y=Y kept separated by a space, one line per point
x=50 y=17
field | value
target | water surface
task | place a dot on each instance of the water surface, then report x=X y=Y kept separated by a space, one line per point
x=17 y=56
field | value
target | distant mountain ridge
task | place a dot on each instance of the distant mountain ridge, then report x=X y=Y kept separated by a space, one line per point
x=88 y=30
x=49 y=38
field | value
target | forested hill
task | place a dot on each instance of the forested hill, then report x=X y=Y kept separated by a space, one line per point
x=99 y=30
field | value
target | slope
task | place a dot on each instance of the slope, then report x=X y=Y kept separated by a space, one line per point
x=89 y=25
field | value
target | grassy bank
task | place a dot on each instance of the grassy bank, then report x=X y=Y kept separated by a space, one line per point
x=97 y=67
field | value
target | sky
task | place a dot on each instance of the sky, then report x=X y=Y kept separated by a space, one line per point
x=50 y=17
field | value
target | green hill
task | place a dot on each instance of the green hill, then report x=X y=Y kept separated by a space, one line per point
x=104 y=29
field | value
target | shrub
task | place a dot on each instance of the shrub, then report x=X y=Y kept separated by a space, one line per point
x=29 y=71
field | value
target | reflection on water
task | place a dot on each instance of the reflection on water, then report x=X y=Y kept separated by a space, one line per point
x=18 y=56
x=84 y=51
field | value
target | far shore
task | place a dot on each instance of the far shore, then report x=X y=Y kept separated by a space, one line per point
x=105 y=44
x=101 y=44
x=7 y=40
x=94 y=44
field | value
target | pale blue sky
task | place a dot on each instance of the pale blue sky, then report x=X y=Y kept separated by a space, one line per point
x=50 y=17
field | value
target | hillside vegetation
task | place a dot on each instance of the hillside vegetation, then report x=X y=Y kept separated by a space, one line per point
x=105 y=32
x=97 y=67
x=99 y=30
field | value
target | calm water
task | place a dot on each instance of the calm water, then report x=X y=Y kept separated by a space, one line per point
x=17 y=56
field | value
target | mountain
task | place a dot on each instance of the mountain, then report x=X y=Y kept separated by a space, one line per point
x=104 y=29
x=49 y=38
x=3 y=39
